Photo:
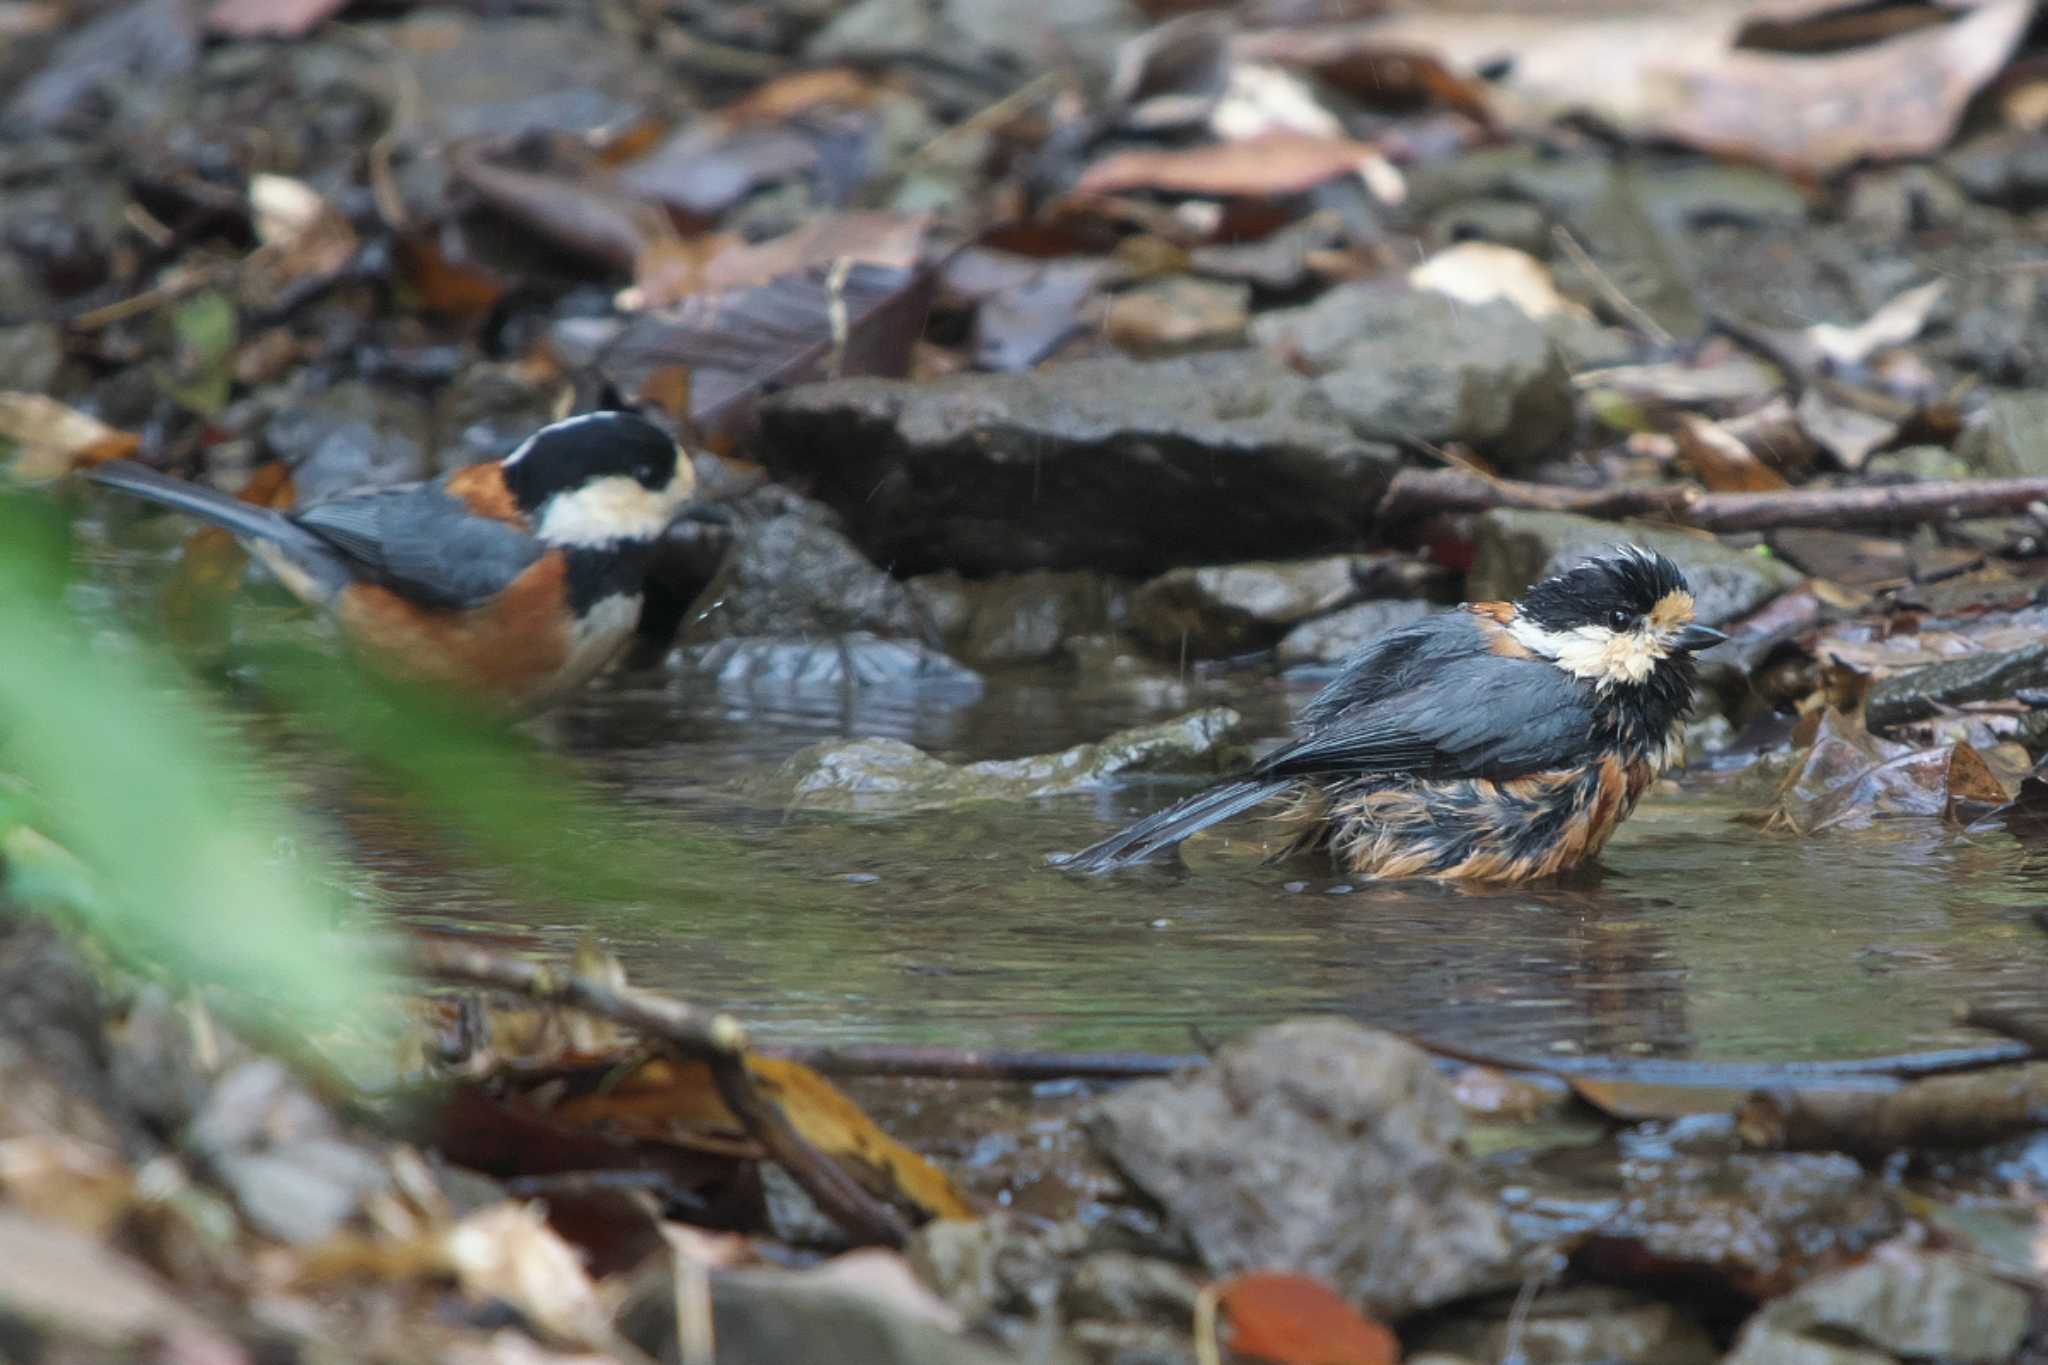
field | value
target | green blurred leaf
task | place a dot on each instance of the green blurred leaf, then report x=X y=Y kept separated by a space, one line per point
x=161 y=802
x=205 y=329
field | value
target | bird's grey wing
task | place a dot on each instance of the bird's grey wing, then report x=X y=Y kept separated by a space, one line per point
x=424 y=544
x=1475 y=716
x=1395 y=662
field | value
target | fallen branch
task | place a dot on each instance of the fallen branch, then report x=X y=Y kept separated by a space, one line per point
x=1742 y=1075
x=2031 y=1029
x=716 y=1039
x=1942 y=1111
x=1421 y=492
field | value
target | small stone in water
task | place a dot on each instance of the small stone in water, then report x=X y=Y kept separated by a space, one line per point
x=1295 y=888
x=1162 y=924
x=861 y=878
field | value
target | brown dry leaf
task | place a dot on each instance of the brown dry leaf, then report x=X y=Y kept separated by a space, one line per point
x=670 y=268
x=676 y=1101
x=1299 y=1320
x=509 y=1253
x=1481 y=272
x=784 y=97
x=1677 y=72
x=1849 y=778
x=1722 y=463
x=444 y=285
x=1896 y=323
x=303 y=237
x=1634 y=1101
x=269 y=18
x=1269 y=165
x=52 y=440
x=62 y=1179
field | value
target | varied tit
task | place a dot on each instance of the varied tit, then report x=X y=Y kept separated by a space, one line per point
x=516 y=580
x=1497 y=742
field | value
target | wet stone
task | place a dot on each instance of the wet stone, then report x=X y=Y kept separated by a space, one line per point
x=874 y=775
x=513 y=76
x=1332 y=639
x=1755 y=1223
x=1017 y=618
x=486 y=413
x=1516 y=548
x=1899 y=1302
x=1920 y=693
x=1321 y=1147
x=1414 y=366
x=354 y=435
x=1229 y=609
x=793 y=574
x=1581 y=1324
x=1178 y=314
x=1123 y=466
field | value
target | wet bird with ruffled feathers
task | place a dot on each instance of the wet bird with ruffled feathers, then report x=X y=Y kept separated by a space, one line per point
x=1496 y=742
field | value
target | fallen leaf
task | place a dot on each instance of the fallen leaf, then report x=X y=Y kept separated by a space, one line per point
x=1634 y=1101
x=1680 y=72
x=1897 y=322
x=445 y=285
x=507 y=1252
x=895 y=240
x=662 y=1098
x=1298 y=1320
x=799 y=92
x=1481 y=272
x=1846 y=432
x=269 y=18
x=302 y=235
x=850 y=319
x=1275 y=163
x=1722 y=463
x=52 y=440
x=1849 y=778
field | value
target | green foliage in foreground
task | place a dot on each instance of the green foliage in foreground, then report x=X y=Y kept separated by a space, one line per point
x=191 y=866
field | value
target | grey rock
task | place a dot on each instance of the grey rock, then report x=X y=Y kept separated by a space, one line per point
x=1003 y=1263
x=1333 y=638
x=1414 y=366
x=1119 y=1286
x=855 y=660
x=31 y=353
x=354 y=435
x=1321 y=1147
x=1898 y=200
x=1123 y=466
x=280 y=1153
x=1278 y=261
x=1900 y=1301
x=1516 y=548
x=1919 y=693
x=1228 y=609
x=976 y=32
x=1917 y=464
x=794 y=575
x=2008 y=167
x=1016 y=618
x=513 y=75
x=876 y=775
x=1582 y=1324
x=2008 y=437
x=1510 y=222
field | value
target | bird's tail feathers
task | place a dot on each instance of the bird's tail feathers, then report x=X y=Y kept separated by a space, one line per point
x=314 y=559
x=1164 y=829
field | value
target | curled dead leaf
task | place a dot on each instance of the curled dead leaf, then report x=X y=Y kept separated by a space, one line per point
x=52 y=439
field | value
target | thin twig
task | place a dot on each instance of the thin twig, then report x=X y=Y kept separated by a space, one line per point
x=714 y=1038
x=1609 y=290
x=1420 y=492
x=989 y=115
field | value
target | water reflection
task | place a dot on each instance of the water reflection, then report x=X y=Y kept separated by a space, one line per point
x=1701 y=937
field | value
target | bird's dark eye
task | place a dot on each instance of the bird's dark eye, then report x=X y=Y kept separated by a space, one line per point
x=1619 y=619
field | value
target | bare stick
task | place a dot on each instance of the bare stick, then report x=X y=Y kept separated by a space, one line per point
x=1419 y=492
x=1609 y=290
x=717 y=1039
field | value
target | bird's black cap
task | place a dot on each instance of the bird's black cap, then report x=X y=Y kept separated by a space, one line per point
x=1628 y=578
x=572 y=452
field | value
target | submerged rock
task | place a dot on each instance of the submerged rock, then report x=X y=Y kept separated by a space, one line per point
x=876 y=775
x=1413 y=366
x=855 y=659
x=1515 y=548
x=1321 y=1147
x=1590 y=1322
x=1901 y=1301
x=1223 y=609
x=1017 y=618
x=1124 y=466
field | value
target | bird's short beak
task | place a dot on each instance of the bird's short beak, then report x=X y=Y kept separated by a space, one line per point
x=1693 y=639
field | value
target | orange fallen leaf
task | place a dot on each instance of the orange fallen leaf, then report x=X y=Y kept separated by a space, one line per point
x=1722 y=462
x=1299 y=1320
x=669 y=1100
x=53 y=440
x=1274 y=163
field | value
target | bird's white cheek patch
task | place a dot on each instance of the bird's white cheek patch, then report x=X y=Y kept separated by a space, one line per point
x=1604 y=657
x=606 y=510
